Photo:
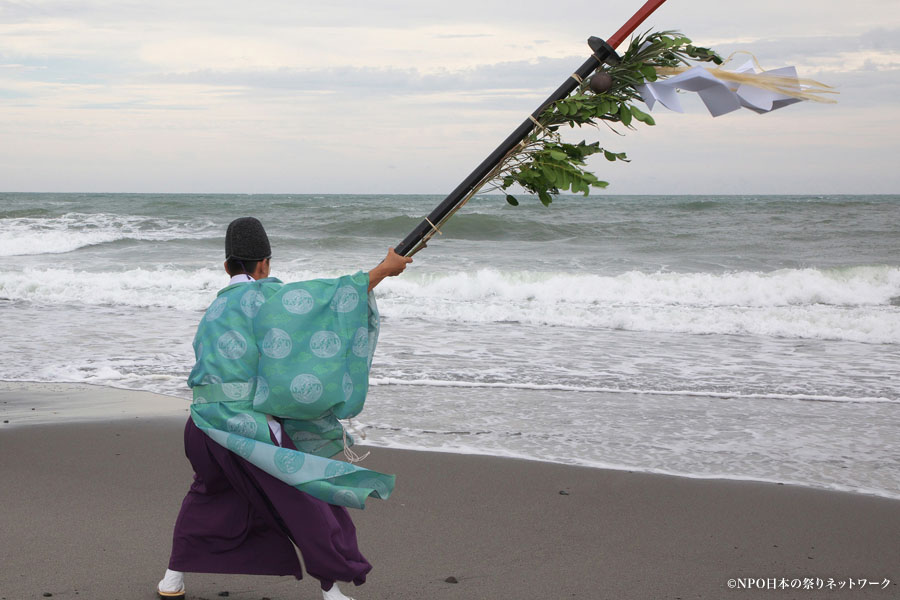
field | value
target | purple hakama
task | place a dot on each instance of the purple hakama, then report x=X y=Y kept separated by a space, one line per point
x=237 y=518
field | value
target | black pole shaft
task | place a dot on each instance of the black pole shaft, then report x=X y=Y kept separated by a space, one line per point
x=602 y=52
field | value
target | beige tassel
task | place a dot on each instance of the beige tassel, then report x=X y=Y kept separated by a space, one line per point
x=804 y=89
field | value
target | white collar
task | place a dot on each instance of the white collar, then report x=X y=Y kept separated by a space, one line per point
x=240 y=278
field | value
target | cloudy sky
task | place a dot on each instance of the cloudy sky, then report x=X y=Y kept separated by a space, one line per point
x=407 y=96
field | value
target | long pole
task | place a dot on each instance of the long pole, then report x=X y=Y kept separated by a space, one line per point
x=602 y=52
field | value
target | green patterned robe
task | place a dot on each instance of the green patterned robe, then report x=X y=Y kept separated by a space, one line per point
x=298 y=351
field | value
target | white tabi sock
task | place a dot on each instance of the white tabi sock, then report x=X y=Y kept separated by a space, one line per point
x=334 y=594
x=172 y=583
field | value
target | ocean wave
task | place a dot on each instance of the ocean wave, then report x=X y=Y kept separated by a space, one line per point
x=180 y=289
x=852 y=303
x=614 y=390
x=845 y=286
x=31 y=235
x=21 y=213
x=430 y=441
x=471 y=226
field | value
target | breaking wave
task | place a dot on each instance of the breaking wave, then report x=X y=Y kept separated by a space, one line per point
x=851 y=303
x=66 y=233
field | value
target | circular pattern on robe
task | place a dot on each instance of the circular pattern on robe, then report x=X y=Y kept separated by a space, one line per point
x=210 y=379
x=240 y=445
x=306 y=388
x=251 y=301
x=337 y=468
x=216 y=309
x=298 y=302
x=380 y=487
x=345 y=299
x=347 y=385
x=231 y=344
x=262 y=390
x=361 y=342
x=305 y=436
x=325 y=425
x=288 y=461
x=277 y=343
x=346 y=498
x=325 y=344
x=242 y=424
x=236 y=390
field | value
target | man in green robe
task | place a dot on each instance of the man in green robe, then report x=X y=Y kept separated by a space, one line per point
x=277 y=366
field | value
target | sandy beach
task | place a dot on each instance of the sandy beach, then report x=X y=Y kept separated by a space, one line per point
x=88 y=509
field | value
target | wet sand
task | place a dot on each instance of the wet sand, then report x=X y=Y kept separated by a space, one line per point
x=88 y=509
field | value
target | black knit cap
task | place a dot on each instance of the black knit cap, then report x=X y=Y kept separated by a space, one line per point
x=246 y=239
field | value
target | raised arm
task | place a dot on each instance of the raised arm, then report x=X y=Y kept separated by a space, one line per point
x=392 y=265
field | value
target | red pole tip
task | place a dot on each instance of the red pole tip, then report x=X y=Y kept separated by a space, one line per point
x=645 y=11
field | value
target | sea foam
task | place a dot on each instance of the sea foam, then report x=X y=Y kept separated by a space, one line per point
x=71 y=231
x=851 y=303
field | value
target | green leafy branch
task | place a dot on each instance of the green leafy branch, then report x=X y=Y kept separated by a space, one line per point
x=545 y=165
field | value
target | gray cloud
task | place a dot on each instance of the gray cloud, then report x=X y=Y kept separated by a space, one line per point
x=702 y=18
x=414 y=105
x=802 y=47
x=493 y=83
x=446 y=36
x=13 y=94
x=93 y=70
x=133 y=105
x=518 y=75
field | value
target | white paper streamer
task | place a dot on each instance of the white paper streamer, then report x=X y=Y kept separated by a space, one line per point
x=720 y=97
